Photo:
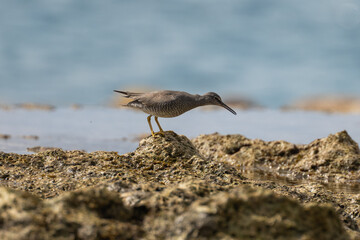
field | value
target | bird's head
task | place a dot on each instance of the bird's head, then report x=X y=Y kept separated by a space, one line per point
x=214 y=99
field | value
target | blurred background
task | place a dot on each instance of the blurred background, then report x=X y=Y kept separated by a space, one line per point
x=275 y=52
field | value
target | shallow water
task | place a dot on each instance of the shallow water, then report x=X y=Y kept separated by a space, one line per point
x=349 y=187
x=120 y=130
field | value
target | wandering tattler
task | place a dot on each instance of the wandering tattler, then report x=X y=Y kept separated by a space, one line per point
x=169 y=104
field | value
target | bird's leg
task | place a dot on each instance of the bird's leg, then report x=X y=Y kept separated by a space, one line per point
x=149 y=121
x=156 y=120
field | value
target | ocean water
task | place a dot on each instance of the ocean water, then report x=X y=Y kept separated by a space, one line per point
x=120 y=130
x=274 y=52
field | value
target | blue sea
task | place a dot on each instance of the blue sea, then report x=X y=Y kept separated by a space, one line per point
x=274 y=52
x=62 y=52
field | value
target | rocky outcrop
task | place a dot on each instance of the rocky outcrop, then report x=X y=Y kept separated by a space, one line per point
x=88 y=214
x=180 y=211
x=162 y=159
x=251 y=213
x=172 y=188
x=336 y=157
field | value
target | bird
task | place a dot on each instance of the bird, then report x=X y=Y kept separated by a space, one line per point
x=168 y=104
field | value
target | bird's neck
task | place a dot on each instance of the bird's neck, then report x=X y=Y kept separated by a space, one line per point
x=201 y=100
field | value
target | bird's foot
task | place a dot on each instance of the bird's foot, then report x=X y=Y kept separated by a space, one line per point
x=160 y=133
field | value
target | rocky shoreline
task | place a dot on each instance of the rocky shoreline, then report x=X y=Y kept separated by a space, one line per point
x=174 y=188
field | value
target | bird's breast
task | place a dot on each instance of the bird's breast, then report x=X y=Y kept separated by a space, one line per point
x=167 y=110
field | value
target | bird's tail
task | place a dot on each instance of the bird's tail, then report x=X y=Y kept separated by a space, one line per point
x=128 y=94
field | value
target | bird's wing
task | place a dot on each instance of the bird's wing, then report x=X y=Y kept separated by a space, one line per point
x=154 y=98
x=158 y=97
x=129 y=94
x=151 y=99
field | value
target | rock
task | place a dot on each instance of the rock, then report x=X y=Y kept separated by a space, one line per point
x=337 y=154
x=5 y=136
x=166 y=146
x=181 y=211
x=35 y=106
x=30 y=137
x=76 y=106
x=88 y=214
x=5 y=107
x=339 y=104
x=335 y=157
x=17 y=215
x=173 y=188
x=248 y=213
x=163 y=159
x=345 y=203
x=333 y=161
x=169 y=157
x=40 y=149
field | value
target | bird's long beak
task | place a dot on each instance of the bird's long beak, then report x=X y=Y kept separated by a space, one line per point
x=227 y=107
